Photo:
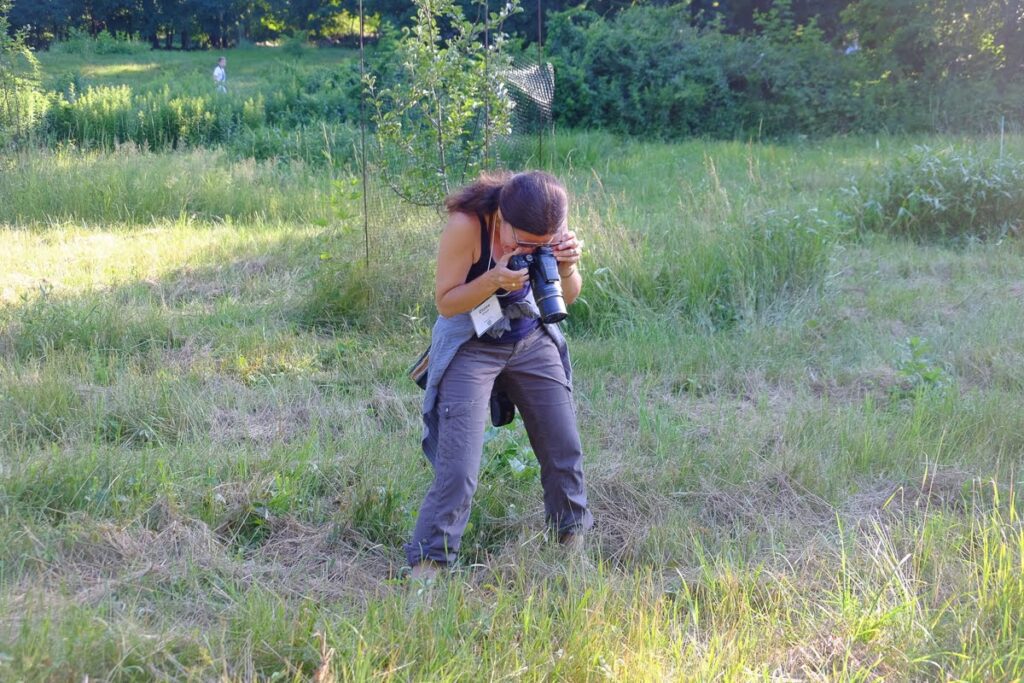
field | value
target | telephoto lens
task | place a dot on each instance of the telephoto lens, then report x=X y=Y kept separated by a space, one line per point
x=547 y=286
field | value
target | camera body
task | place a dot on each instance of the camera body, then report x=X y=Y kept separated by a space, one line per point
x=545 y=281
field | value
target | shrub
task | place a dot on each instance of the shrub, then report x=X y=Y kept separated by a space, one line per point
x=298 y=118
x=254 y=111
x=645 y=70
x=120 y=43
x=943 y=195
x=789 y=79
x=79 y=42
x=918 y=372
x=104 y=116
x=435 y=122
x=648 y=71
x=302 y=96
x=295 y=45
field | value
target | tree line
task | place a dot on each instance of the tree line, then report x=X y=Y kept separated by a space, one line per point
x=197 y=24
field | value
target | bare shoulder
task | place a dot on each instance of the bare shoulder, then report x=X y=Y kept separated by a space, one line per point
x=462 y=233
x=462 y=225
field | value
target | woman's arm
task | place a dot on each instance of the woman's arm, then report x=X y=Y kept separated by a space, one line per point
x=571 y=283
x=455 y=255
x=567 y=253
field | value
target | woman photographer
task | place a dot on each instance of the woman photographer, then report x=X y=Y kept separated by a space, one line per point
x=488 y=347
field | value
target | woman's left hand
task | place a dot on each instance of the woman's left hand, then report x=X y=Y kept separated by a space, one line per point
x=569 y=250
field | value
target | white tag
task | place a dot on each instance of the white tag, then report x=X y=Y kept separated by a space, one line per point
x=486 y=314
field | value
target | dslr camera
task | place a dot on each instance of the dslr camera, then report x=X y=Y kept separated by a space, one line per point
x=545 y=282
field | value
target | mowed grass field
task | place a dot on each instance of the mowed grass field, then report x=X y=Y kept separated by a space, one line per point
x=803 y=439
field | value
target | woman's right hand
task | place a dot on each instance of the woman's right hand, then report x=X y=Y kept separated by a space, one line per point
x=502 y=277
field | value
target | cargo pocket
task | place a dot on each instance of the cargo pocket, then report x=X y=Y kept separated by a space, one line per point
x=457 y=430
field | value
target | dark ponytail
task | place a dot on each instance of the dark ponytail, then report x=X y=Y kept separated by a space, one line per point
x=533 y=201
x=479 y=198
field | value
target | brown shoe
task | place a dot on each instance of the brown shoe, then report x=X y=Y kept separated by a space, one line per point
x=426 y=570
x=572 y=541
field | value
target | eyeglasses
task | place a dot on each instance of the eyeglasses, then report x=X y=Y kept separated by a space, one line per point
x=533 y=245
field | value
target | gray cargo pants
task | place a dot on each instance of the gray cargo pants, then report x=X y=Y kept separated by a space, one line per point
x=530 y=371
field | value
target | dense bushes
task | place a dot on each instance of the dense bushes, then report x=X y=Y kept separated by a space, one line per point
x=647 y=70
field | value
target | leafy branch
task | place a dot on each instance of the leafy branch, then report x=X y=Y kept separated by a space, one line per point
x=437 y=120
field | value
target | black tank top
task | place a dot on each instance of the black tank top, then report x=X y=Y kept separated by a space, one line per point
x=483 y=264
x=520 y=326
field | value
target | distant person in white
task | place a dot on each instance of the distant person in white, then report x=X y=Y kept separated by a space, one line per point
x=220 y=75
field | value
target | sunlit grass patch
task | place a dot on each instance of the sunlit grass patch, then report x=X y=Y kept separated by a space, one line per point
x=116 y=70
x=133 y=186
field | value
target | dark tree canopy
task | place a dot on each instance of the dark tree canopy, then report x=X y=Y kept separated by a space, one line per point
x=221 y=23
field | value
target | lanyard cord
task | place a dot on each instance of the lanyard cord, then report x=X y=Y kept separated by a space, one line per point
x=494 y=263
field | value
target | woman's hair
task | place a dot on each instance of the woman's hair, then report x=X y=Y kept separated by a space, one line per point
x=533 y=201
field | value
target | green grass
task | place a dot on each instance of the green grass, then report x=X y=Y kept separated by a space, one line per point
x=247 y=67
x=209 y=450
x=132 y=187
x=278 y=106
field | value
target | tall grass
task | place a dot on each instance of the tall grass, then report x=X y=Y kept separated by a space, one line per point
x=281 y=100
x=134 y=186
x=714 y=278
x=106 y=116
x=944 y=194
x=209 y=450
